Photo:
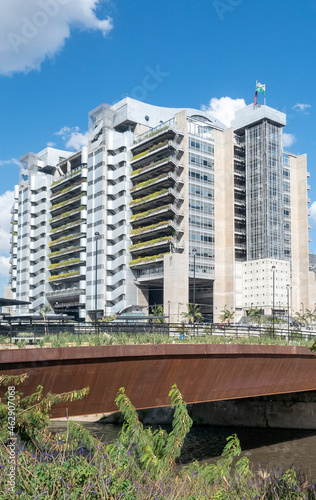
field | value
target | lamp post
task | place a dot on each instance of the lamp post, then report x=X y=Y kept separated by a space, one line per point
x=169 y=311
x=96 y=235
x=194 y=253
x=288 y=310
x=273 y=296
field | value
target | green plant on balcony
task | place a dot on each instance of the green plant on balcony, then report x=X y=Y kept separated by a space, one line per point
x=66 y=176
x=65 y=238
x=143 y=229
x=65 y=226
x=66 y=214
x=64 y=275
x=151 y=165
x=14 y=223
x=151 y=134
x=148 y=182
x=64 y=263
x=66 y=202
x=65 y=250
x=149 y=197
x=140 y=215
x=14 y=233
x=65 y=190
x=137 y=246
x=144 y=260
x=150 y=150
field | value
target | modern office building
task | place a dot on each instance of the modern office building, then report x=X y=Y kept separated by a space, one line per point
x=165 y=206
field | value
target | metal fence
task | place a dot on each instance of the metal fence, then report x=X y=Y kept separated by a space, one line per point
x=35 y=332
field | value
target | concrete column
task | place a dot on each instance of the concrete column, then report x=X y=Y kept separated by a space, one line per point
x=299 y=233
x=176 y=286
x=224 y=285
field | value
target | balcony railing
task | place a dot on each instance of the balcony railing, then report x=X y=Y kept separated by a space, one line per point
x=150 y=243
x=155 y=131
x=146 y=260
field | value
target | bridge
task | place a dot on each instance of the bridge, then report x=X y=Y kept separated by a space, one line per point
x=202 y=372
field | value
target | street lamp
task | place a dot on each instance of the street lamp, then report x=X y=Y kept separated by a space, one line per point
x=194 y=254
x=288 y=310
x=169 y=311
x=273 y=296
x=96 y=235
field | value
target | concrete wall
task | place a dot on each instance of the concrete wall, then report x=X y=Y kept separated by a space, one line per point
x=299 y=233
x=288 y=411
x=176 y=266
x=224 y=285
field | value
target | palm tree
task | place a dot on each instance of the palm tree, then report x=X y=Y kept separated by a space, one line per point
x=226 y=315
x=157 y=311
x=309 y=316
x=300 y=317
x=192 y=314
x=255 y=316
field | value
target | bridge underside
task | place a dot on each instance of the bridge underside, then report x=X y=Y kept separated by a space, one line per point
x=202 y=373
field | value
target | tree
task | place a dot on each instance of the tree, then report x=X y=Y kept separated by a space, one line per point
x=255 y=316
x=226 y=315
x=301 y=318
x=28 y=416
x=157 y=311
x=193 y=314
x=309 y=316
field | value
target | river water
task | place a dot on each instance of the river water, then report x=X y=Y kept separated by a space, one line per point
x=266 y=447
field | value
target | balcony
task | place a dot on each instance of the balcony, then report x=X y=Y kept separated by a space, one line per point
x=67 y=192
x=155 y=199
x=64 y=276
x=65 y=292
x=70 y=214
x=146 y=261
x=69 y=202
x=164 y=228
x=164 y=180
x=66 y=263
x=66 y=251
x=150 y=273
x=155 y=215
x=159 y=150
x=165 y=130
x=65 y=239
x=69 y=178
x=166 y=164
x=151 y=246
x=65 y=227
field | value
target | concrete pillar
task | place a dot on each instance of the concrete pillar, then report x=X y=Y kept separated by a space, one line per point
x=224 y=285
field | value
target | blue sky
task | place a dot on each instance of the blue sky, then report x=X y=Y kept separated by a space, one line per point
x=61 y=58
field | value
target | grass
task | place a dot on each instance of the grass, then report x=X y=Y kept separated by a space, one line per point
x=123 y=338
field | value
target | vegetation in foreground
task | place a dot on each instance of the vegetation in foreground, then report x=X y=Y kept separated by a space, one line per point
x=139 y=465
x=183 y=335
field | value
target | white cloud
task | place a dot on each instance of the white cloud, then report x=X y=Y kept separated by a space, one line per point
x=73 y=138
x=312 y=211
x=33 y=30
x=224 y=108
x=4 y=266
x=51 y=144
x=6 y=202
x=288 y=140
x=302 y=107
x=9 y=162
